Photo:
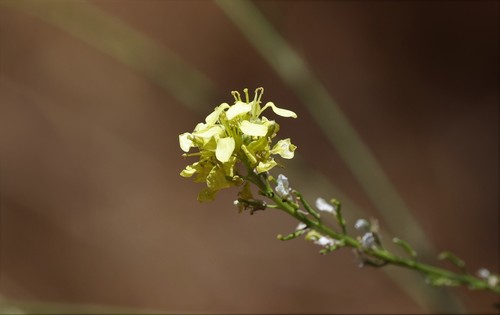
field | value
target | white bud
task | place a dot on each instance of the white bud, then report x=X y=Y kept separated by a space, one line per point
x=324 y=241
x=301 y=226
x=483 y=273
x=368 y=240
x=282 y=188
x=322 y=205
x=362 y=225
x=492 y=281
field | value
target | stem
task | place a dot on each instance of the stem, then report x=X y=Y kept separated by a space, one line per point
x=374 y=252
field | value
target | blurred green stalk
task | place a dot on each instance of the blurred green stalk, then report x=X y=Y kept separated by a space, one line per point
x=122 y=42
x=13 y=306
x=113 y=37
x=336 y=126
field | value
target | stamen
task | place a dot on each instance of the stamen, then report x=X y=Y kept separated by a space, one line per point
x=258 y=94
x=236 y=95
x=245 y=90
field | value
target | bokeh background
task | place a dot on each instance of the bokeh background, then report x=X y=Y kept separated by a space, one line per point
x=398 y=117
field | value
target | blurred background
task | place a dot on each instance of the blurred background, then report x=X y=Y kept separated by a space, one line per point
x=398 y=118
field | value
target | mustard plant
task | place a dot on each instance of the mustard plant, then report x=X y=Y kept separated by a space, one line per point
x=237 y=146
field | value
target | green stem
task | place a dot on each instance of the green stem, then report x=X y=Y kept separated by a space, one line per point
x=374 y=252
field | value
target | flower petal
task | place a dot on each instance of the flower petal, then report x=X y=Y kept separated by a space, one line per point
x=301 y=226
x=252 y=129
x=238 y=109
x=324 y=241
x=283 y=186
x=188 y=171
x=264 y=167
x=214 y=116
x=225 y=148
x=210 y=132
x=279 y=111
x=284 y=148
x=362 y=225
x=185 y=142
x=322 y=205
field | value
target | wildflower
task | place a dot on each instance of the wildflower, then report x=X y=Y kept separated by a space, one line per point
x=284 y=148
x=320 y=239
x=493 y=281
x=230 y=135
x=362 y=225
x=301 y=226
x=368 y=240
x=322 y=205
x=239 y=205
x=325 y=241
x=282 y=188
x=490 y=278
x=483 y=273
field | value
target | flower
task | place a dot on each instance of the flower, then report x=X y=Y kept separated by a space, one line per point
x=301 y=226
x=362 y=225
x=483 y=273
x=368 y=240
x=322 y=205
x=325 y=241
x=230 y=135
x=490 y=278
x=282 y=188
x=284 y=148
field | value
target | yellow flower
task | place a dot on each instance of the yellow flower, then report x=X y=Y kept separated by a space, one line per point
x=232 y=134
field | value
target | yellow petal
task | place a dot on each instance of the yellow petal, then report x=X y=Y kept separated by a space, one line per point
x=200 y=126
x=252 y=129
x=238 y=109
x=188 y=171
x=284 y=148
x=214 y=116
x=279 y=111
x=225 y=148
x=210 y=132
x=185 y=141
x=264 y=167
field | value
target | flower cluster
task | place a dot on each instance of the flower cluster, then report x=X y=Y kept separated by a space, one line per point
x=231 y=134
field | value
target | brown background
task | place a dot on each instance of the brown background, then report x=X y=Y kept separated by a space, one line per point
x=93 y=210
